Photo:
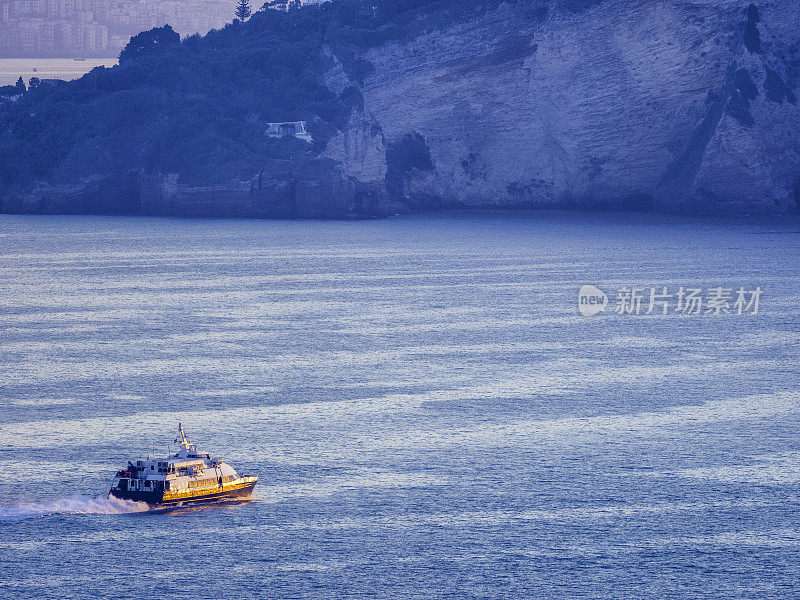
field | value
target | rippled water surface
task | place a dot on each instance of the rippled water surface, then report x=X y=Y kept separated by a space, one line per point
x=429 y=415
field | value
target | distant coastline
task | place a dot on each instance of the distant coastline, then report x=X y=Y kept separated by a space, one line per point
x=336 y=110
x=66 y=68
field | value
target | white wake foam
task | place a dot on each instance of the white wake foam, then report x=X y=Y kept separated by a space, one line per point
x=74 y=505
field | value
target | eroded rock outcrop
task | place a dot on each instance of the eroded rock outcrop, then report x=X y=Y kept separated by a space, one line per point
x=669 y=105
x=645 y=104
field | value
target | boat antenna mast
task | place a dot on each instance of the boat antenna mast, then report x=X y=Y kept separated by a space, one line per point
x=184 y=441
x=181 y=436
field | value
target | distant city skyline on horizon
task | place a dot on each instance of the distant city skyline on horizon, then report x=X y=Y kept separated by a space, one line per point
x=101 y=28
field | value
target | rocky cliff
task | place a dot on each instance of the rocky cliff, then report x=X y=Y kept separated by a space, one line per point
x=674 y=105
x=671 y=105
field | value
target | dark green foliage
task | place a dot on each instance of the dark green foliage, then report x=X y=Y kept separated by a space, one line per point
x=776 y=90
x=751 y=35
x=360 y=69
x=14 y=90
x=243 y=11
x=156 y=41
x=199 y=107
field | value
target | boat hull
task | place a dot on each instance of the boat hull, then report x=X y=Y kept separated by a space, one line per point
x=239 y=491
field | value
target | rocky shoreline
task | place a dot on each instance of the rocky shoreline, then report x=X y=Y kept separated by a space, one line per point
x=162 y=195
x=643 y=105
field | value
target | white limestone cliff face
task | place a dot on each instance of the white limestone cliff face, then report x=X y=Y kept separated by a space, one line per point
x=635 y=104
x=360 y=149
x=674 y=105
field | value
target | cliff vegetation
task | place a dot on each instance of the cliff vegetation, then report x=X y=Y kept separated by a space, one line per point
x=416 y=103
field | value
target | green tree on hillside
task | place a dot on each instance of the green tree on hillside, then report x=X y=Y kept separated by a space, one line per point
x=276 y=4
x=160 y=39
x=243 y=11
x=13 y=90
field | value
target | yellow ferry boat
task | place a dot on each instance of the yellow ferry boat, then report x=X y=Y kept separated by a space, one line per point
x=188 y=476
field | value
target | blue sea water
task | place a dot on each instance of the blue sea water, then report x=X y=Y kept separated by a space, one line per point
x=428 y=413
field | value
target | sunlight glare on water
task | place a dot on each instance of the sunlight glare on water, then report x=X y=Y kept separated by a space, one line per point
x=429 y=415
